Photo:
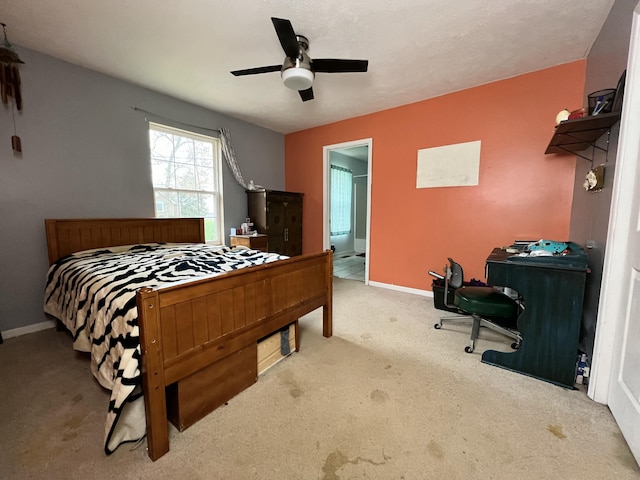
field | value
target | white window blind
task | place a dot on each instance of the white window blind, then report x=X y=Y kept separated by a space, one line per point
x=187 y=177
x=341 y=186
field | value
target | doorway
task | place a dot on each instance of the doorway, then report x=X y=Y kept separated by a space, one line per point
x=351 y=249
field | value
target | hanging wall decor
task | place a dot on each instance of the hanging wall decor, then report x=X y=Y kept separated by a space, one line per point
x=10 y=84
x=594 y=180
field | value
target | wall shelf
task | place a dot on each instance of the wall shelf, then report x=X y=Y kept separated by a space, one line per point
x=572 y=136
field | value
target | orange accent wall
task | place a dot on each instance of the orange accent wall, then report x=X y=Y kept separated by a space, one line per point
x=522 y=193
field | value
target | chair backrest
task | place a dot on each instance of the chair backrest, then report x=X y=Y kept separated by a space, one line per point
x=453 y=280
x=455 y=276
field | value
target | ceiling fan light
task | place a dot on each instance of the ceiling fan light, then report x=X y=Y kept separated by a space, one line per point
x=297 y=78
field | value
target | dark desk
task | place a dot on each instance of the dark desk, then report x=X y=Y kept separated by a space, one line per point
x=553 y=292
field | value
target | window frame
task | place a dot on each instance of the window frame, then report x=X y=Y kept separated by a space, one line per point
x=334 y=231
x=218 y=191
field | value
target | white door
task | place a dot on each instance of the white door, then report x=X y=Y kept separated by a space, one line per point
x=616 y=379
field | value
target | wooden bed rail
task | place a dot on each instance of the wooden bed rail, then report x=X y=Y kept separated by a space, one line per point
x=186 y=327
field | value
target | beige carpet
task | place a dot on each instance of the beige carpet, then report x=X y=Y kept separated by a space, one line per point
x=387 y=397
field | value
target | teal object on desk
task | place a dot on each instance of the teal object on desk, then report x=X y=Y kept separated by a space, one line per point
x=575 y=257
x=548 y=245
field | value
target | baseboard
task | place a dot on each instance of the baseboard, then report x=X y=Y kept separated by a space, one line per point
x=36 y=327
x=414 y=291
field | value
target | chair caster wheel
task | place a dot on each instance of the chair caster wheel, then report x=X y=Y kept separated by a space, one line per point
x=515 y=345
x=468 y=349
x=437 y=326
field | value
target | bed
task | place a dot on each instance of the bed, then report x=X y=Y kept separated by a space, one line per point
x=197 y=338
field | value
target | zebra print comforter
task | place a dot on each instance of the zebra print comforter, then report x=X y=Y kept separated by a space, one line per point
x=93 y=294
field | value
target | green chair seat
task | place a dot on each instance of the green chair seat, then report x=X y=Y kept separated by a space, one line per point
x=485 y=301
x=483 y=306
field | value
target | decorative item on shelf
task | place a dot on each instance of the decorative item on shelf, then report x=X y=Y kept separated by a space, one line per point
x=562 y=116
x=594 y=180
x=10 y=83
x=570 y=115
x=578 y=113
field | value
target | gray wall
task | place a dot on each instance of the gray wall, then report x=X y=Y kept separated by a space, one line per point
x=590 y=211
x=86 y=154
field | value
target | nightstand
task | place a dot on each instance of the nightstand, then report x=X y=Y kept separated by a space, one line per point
x=255 y=242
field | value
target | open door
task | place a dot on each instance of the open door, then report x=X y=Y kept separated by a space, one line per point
x=616 y=377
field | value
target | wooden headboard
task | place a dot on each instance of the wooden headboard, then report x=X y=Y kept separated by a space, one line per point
x=74 y=235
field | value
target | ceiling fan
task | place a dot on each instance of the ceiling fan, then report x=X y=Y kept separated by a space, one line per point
x=298 y=69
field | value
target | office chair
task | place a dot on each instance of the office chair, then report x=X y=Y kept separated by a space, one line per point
x=485 y=306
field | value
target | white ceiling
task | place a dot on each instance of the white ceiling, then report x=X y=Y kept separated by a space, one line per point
x=417 y=49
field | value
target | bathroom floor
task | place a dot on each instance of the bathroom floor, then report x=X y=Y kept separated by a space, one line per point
x=349 y=266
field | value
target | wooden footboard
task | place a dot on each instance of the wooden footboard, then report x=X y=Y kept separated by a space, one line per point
x=186 y=327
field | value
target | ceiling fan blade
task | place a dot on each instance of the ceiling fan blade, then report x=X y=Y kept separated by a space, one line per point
x=306 y=94
x=253 y=71
x=334 y=65
x=287 y=36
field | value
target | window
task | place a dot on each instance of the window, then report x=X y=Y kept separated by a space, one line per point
x=187 y=177
x=341 y=184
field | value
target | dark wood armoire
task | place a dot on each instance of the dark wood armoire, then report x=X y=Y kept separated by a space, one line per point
x=278 y=215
